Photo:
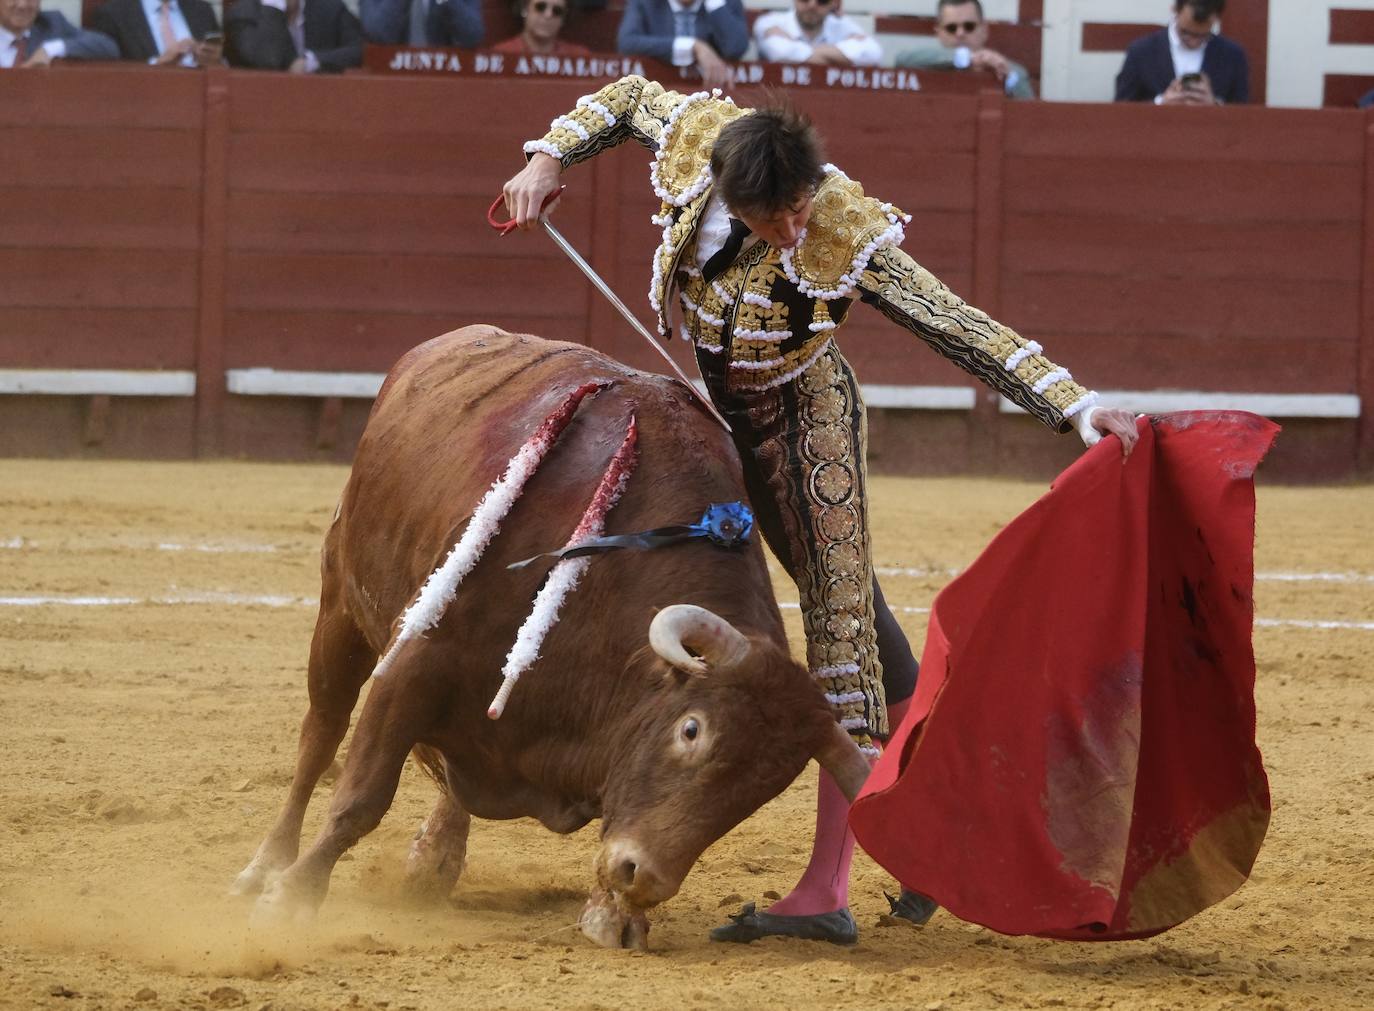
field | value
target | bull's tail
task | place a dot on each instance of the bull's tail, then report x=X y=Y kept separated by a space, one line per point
x=442 y=585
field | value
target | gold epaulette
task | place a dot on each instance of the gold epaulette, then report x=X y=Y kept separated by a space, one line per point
x=681 y=170
x=845 y=230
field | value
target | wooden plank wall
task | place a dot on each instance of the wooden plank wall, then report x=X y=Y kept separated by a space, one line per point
x=237 y=220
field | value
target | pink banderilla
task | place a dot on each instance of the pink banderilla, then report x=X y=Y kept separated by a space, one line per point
x=568 y=572
x=442 y=585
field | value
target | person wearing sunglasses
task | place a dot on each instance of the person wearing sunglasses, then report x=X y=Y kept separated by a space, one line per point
x=766 y=249
x=815 y=31
x=542 y=21
x=1186 y=63
x=707 y=34
x=961 y=43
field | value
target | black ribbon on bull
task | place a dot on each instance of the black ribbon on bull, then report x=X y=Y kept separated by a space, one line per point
x=725 y=524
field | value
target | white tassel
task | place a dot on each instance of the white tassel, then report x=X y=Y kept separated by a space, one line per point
x=442 y=585
x=566 y=574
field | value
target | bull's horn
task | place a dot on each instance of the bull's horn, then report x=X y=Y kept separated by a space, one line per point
x=682 y=627
x=841 y=757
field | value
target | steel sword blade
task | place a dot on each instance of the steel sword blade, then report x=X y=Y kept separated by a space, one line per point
x=614 y=299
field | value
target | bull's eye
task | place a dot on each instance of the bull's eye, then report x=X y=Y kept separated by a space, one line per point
x=690 y=729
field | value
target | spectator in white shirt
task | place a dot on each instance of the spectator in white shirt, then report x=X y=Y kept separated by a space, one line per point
x=815 y=31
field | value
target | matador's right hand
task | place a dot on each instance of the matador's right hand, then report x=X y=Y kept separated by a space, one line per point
x=526 y=192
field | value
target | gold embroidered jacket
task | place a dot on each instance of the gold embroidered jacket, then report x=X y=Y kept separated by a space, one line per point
x=774 y=310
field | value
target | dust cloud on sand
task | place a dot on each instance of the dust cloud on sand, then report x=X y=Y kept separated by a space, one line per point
x=154 y=624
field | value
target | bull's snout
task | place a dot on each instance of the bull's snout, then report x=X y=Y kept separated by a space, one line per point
x=623 y=867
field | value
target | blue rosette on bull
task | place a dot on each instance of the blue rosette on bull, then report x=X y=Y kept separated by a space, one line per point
x=724 y=524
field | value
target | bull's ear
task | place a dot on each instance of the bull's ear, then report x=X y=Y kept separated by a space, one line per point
x=841 y=757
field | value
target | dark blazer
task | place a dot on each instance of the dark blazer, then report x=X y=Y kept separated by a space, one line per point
x=81 y=44
x=1149 y=69
x=451 y=22
x=257 y=36
x=646 y=29
x=124 y=22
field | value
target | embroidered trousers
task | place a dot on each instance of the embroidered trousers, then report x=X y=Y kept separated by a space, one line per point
x=803 y=446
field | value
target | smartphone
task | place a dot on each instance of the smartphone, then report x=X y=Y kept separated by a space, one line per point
x=213 y=39
x=1190 y=80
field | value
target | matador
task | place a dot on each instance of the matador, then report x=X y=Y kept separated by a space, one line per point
x=764 y=251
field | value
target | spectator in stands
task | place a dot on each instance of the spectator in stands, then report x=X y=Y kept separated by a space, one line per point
x=162 y=33
x=815 y=31
x=423 y=22
x=302 y=36
x=707 y=33
x=1187 y=63
x=961 y=43
x=542 y=20
x=32 y=38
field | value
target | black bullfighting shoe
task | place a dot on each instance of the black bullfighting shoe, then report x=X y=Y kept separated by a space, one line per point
x=747 y=925
x=913 y=906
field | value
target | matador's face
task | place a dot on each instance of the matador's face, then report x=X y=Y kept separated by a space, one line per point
x=780 y=228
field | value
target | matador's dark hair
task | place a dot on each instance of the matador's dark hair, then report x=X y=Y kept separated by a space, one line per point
x=764 y=161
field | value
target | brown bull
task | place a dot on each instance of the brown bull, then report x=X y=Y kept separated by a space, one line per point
x=669 y=750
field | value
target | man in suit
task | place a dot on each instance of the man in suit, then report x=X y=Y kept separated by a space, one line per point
x=686 y=32
x=162 y=33
x=1187 y=63
x=423 y=22
x=302 y=36
x=961 y=43
x=31 y=38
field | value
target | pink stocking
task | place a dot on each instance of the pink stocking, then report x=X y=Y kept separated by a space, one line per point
x=824 y=885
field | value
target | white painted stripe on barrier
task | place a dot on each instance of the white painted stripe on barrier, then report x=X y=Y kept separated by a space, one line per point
x=92 y=382
x=281 y=383
x=925 y=398
x=1269 y=405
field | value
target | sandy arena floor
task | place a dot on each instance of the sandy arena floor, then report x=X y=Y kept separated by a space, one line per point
x=154 y=623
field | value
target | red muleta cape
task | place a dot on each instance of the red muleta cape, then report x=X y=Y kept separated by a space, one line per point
x=1079 y=760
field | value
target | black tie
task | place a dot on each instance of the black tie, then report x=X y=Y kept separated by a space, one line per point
x=725 y=256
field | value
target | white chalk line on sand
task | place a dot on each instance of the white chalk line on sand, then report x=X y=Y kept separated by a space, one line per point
x=228 y=548
x=281 y=600
x=886 y=571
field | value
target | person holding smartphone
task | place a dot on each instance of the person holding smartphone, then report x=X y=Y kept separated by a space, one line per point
x=162 y=33
x=1186 y=63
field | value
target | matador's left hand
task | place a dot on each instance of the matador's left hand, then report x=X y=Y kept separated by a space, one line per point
x=1102 y=421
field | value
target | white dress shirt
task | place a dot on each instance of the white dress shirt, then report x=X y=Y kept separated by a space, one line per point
x=793 y=45
x=684 y=46
x=56 y=48
x=179 y=27
x=1186 y=61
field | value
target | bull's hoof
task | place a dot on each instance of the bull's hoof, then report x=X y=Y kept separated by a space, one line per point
x=431 y=874
x=281 y=906
x=253 y=878
x=606 y=922
x=747 y=925
x=913 y=906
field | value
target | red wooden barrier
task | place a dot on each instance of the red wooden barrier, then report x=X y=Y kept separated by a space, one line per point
x=236 y=220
